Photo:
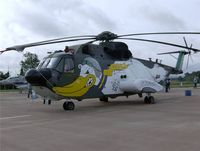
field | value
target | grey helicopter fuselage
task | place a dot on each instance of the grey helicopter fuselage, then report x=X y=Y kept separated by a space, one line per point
x=96 y=71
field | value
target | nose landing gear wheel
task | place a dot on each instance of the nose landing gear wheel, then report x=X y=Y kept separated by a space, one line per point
x=104 y=99
x=68 y=105
x=149 y=100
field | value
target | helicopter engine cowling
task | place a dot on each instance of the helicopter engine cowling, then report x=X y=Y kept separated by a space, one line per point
x=38 y=77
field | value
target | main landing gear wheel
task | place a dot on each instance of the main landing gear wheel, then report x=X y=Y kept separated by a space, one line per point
x=149 y=100
x=104 y=99
x=68 y=105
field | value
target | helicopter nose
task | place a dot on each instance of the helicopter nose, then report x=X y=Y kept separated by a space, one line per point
x=38 y=77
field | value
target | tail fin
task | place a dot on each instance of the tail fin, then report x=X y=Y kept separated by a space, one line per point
x=179 y=63
x=180 y=59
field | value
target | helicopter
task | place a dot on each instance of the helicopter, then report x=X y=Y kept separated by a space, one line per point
x=104 y=70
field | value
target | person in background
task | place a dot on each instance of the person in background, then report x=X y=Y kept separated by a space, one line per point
x=29 y=90
x=167 y=85
x=195 y=82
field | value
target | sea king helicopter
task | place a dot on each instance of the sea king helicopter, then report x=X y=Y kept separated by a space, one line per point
x=104 y=70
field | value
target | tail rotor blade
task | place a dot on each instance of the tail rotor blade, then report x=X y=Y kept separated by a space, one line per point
x=191 y=48
x=173 y=56
x=185 y=42
x=191 y=58
x=188 y=59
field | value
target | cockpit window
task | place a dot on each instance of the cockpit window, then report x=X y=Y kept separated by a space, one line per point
x=49 y=63
x=41 y=64
x=44 y=65
x=66 y=64
x=53 y=62
x=69 y=65
x=60 y=65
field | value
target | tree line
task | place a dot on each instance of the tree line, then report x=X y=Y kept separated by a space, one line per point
x=190 y=76
x=30 y=61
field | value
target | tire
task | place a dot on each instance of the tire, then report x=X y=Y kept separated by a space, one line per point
x=68 y=106
x=71 y=106
x=105 y=99
x=151 y=100
x=65 y=106
x=146 y=100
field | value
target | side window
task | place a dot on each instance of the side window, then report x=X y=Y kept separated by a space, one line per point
x=69 y=65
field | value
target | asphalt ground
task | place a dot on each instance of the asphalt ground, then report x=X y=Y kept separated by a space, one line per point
x=172 y=124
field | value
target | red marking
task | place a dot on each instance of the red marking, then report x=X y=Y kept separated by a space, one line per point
x=67 y=49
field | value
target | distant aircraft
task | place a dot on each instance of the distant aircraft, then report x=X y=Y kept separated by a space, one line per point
x=18 y=81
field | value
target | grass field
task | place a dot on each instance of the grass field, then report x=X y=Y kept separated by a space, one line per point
x=185 y=84
x=10 y=90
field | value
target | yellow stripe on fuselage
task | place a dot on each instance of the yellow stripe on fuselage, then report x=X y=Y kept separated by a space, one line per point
x=78 y=88
x=113 y=67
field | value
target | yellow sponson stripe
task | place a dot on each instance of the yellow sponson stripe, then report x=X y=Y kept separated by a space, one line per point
x=113 y=67
x=108 y=72
x=118 y=66
x=102 y=82
x=78 y=88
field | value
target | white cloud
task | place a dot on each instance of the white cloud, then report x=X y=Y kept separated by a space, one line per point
x=24 y=21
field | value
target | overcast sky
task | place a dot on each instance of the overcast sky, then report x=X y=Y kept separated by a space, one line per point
x=24 y=21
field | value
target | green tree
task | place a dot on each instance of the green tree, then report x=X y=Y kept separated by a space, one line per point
x=1 y=75
x=180 y=78
x=190 y=76
x=21 y=72
x=31 y=61
x=7 y=74
x=4 y=76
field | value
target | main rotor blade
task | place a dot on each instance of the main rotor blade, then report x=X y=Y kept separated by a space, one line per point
x=161 y=33
x=171 y=52
x=89 y=42
x=22 y=47
x=160 y=42
x=57 y=39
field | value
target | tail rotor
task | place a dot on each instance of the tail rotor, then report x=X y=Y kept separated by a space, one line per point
x=189 y=52
x=181 y=55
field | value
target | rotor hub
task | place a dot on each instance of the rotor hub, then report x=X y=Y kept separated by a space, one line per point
x=106 y=36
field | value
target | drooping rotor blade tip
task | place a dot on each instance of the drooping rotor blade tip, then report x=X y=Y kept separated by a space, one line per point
x=15 y=48
x=19 y=48
x=1 y=52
